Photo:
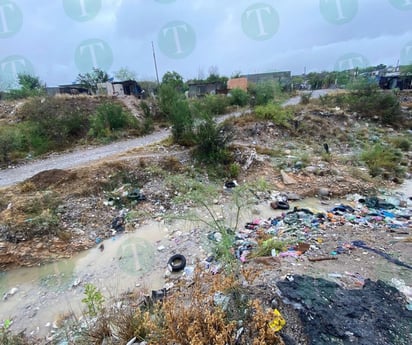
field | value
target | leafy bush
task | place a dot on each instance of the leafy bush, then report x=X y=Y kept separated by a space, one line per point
x=369 y=101
x=168 y=96
x=265 y=92
x=215 y=104
x=110 y=118
x=212 y=140
x=274 y=112
x=305 y=98
x=93 y=299
x=238 y=97
x=9 y=142
x=381 y=159
x=30 y=86
x=182 y=122
x=147 y=125
x=402 y=143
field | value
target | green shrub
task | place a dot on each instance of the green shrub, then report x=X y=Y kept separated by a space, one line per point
x=148 y=122
x=305 y=98
x=168 y=96
x=212 y=140
x=215 y=104
x=381 y=159
x=274 y=112
x=370 y=102
x=264 y=92
x=402 y=143
x=238 y=97
x=234 y=170
x=94 y=300
x=9 y=142
x=182 y=122
x=108 y=119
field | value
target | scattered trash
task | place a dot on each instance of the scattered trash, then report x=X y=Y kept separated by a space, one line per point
x=11 y=292
x=322 y=258
x=230 y=184
x=278 y=321
x=221 y=300
x=137 y=195
x=118 y=224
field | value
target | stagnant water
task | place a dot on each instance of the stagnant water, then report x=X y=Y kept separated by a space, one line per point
x=45 y=293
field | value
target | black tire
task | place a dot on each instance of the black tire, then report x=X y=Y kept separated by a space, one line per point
x=176 y=263
x=283 y=205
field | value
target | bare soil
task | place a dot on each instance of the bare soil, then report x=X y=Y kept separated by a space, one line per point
x=62 y=211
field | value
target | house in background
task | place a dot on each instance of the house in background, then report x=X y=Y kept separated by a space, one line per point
x=70 y=89
x=201 y=89
x=237 y=83
x=283 y=78
x=120 y=88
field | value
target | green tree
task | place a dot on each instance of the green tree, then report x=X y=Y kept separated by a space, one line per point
x=29 y=82
x=173 y=79
x=124 y=74
x=29 y=86
x=91 y=79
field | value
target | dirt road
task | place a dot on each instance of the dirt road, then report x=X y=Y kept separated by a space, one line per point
x=83 y=156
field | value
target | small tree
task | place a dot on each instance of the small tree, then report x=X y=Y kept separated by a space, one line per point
x=29 y=86
x=91 y=79
x=174 y=79
x=124 y=74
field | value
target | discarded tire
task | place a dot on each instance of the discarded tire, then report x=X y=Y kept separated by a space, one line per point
x=279 y=205
x=176 y=263
x=283 y=205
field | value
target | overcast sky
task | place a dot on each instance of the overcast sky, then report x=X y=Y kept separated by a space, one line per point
x=58 y=39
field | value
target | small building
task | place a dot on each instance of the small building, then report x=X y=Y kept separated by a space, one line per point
x=395 y=81
x=70 y=89
x=201 y=89
x=120 y=88
x=237 y=83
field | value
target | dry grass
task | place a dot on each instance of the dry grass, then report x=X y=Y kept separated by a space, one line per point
x=192 y=316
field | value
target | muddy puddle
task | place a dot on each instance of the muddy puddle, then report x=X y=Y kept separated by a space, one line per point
x=36 y=297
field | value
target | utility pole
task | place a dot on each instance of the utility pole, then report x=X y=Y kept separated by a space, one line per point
x=155 y=64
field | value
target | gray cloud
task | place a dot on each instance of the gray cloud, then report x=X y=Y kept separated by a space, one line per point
x=49 y=36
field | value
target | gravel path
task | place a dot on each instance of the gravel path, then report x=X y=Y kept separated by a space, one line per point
x=77 y=158
x=84 y=156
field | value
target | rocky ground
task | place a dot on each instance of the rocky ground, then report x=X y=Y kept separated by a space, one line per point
x=60 y=212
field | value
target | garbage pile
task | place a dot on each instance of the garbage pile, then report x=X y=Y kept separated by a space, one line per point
x=303 y=229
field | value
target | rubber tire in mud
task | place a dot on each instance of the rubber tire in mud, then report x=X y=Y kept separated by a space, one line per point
x=176 y=267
